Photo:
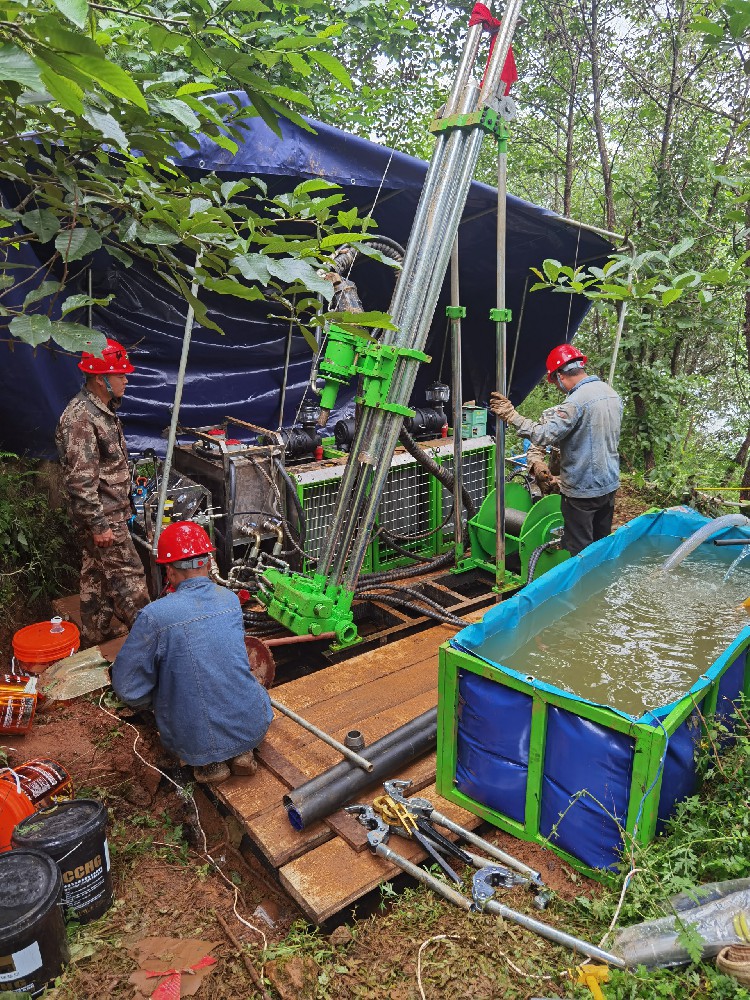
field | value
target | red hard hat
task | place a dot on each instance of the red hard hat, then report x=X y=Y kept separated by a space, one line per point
x=182 y=540
x=114 y=361
x=561 y=355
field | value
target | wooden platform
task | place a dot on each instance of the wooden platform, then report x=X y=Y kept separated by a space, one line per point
x=328 y=866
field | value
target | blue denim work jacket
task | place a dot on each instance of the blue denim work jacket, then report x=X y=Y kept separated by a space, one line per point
x=185 y=657
x=586 y=428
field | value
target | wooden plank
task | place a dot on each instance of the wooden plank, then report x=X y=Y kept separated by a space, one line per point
x=279 y=764
x=248 y=797
x=279 y=841
x=333 y=876
x=349 y=674
x=337 y=715
x=315 y=757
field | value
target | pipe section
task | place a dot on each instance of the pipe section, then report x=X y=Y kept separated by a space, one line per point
x=339 y=784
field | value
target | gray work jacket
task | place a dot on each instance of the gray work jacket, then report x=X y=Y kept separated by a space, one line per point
x=586 y=428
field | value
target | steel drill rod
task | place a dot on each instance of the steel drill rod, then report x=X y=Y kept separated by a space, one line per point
x=456 y=379
x=472 y=838
x=344 y=750
x=374 y=751
x=501 y=369
x=537 y=927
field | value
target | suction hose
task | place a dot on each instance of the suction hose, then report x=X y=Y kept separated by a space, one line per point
x=692 y=543
x=442 y=475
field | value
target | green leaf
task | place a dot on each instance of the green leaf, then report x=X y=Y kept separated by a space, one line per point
x=180 y=112
x=230 y=286
x=74 y=244
x=332 y=65
x=75 y=337
x=670 y=295
x=292 y=270
x=42 y=223
x=15 y=64
x=552 y=269
x=41 y=292
x=31 y=330
x=66 y=92
x=375 y=320
x=253 y=266
x=156 y=234
x=111 y=78
x=690 y=939
x=81 y=301
x=107 y=125
x=76 y=11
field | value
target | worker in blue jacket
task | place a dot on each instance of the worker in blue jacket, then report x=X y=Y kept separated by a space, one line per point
x=186 y=659
x=586 y=428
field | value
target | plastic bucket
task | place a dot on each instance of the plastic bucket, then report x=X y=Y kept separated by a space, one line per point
x=15 y=806
x=74 y=834
x=36 y=646
x=18 y=702
x=33 y=945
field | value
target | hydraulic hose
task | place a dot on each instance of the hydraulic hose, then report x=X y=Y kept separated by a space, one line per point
x=404 y=572
x=419 y=596
x=535 y=556
x=444 y=617
x=704 y=532
x=442 y=475
x=294 y=497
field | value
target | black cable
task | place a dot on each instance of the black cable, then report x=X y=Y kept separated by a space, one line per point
x=296 y=502
x=406 y=571
x=446 y=618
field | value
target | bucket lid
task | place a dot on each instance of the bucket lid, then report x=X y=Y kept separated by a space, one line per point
x=61 y=826
x=32 y=884
x=39 y=644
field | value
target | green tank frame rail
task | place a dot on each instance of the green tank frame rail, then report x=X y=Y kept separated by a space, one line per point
x=529 y=525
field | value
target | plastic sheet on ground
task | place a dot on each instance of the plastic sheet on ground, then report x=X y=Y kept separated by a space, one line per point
x=76 y=675
x=720 y=923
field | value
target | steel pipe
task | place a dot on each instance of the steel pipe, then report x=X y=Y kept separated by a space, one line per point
x=344 y=750
x=338 y=785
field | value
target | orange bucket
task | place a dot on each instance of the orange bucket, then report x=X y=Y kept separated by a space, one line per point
x=36 y=646
x=18 y=701
x=15 y=805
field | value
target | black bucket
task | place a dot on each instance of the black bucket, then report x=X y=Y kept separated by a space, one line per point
x=75 y=835
x=33 y=945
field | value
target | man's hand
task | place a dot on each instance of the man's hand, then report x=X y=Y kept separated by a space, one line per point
x=502 y=407
x=105 y=539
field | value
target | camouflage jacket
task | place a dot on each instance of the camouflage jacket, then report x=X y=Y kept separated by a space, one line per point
x=94 y=460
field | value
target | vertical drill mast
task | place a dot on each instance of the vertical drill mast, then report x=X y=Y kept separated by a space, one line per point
x=388 y=368
x=428 y=251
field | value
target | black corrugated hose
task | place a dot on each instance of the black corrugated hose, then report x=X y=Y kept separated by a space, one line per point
x=442 y=475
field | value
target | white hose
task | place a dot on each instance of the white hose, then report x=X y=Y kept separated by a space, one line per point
x=692 y=543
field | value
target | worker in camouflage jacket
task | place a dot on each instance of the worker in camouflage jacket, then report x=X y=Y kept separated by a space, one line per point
x=94 y=460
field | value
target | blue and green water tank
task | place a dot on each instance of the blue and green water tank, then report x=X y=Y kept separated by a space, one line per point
x=549 y=766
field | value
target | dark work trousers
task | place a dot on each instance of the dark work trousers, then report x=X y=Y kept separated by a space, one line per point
x=587 y=519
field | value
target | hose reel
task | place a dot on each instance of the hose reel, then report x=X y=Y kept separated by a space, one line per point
x=528 y=526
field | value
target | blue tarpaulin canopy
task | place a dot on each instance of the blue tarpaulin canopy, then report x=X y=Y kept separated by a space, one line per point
x=240 y=373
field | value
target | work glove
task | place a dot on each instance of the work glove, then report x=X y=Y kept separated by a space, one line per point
x=502 y=407
x=537 y=466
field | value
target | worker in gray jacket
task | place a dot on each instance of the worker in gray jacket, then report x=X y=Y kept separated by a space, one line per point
x=586 y=428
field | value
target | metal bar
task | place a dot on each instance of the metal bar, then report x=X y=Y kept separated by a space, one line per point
x=366 y=765
x=538 y=927
x=166 y=468
x=293 y=640
x=618 y=338
x=494 y=852
x=457 y=368
x=501 y=367
x=286 y=374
